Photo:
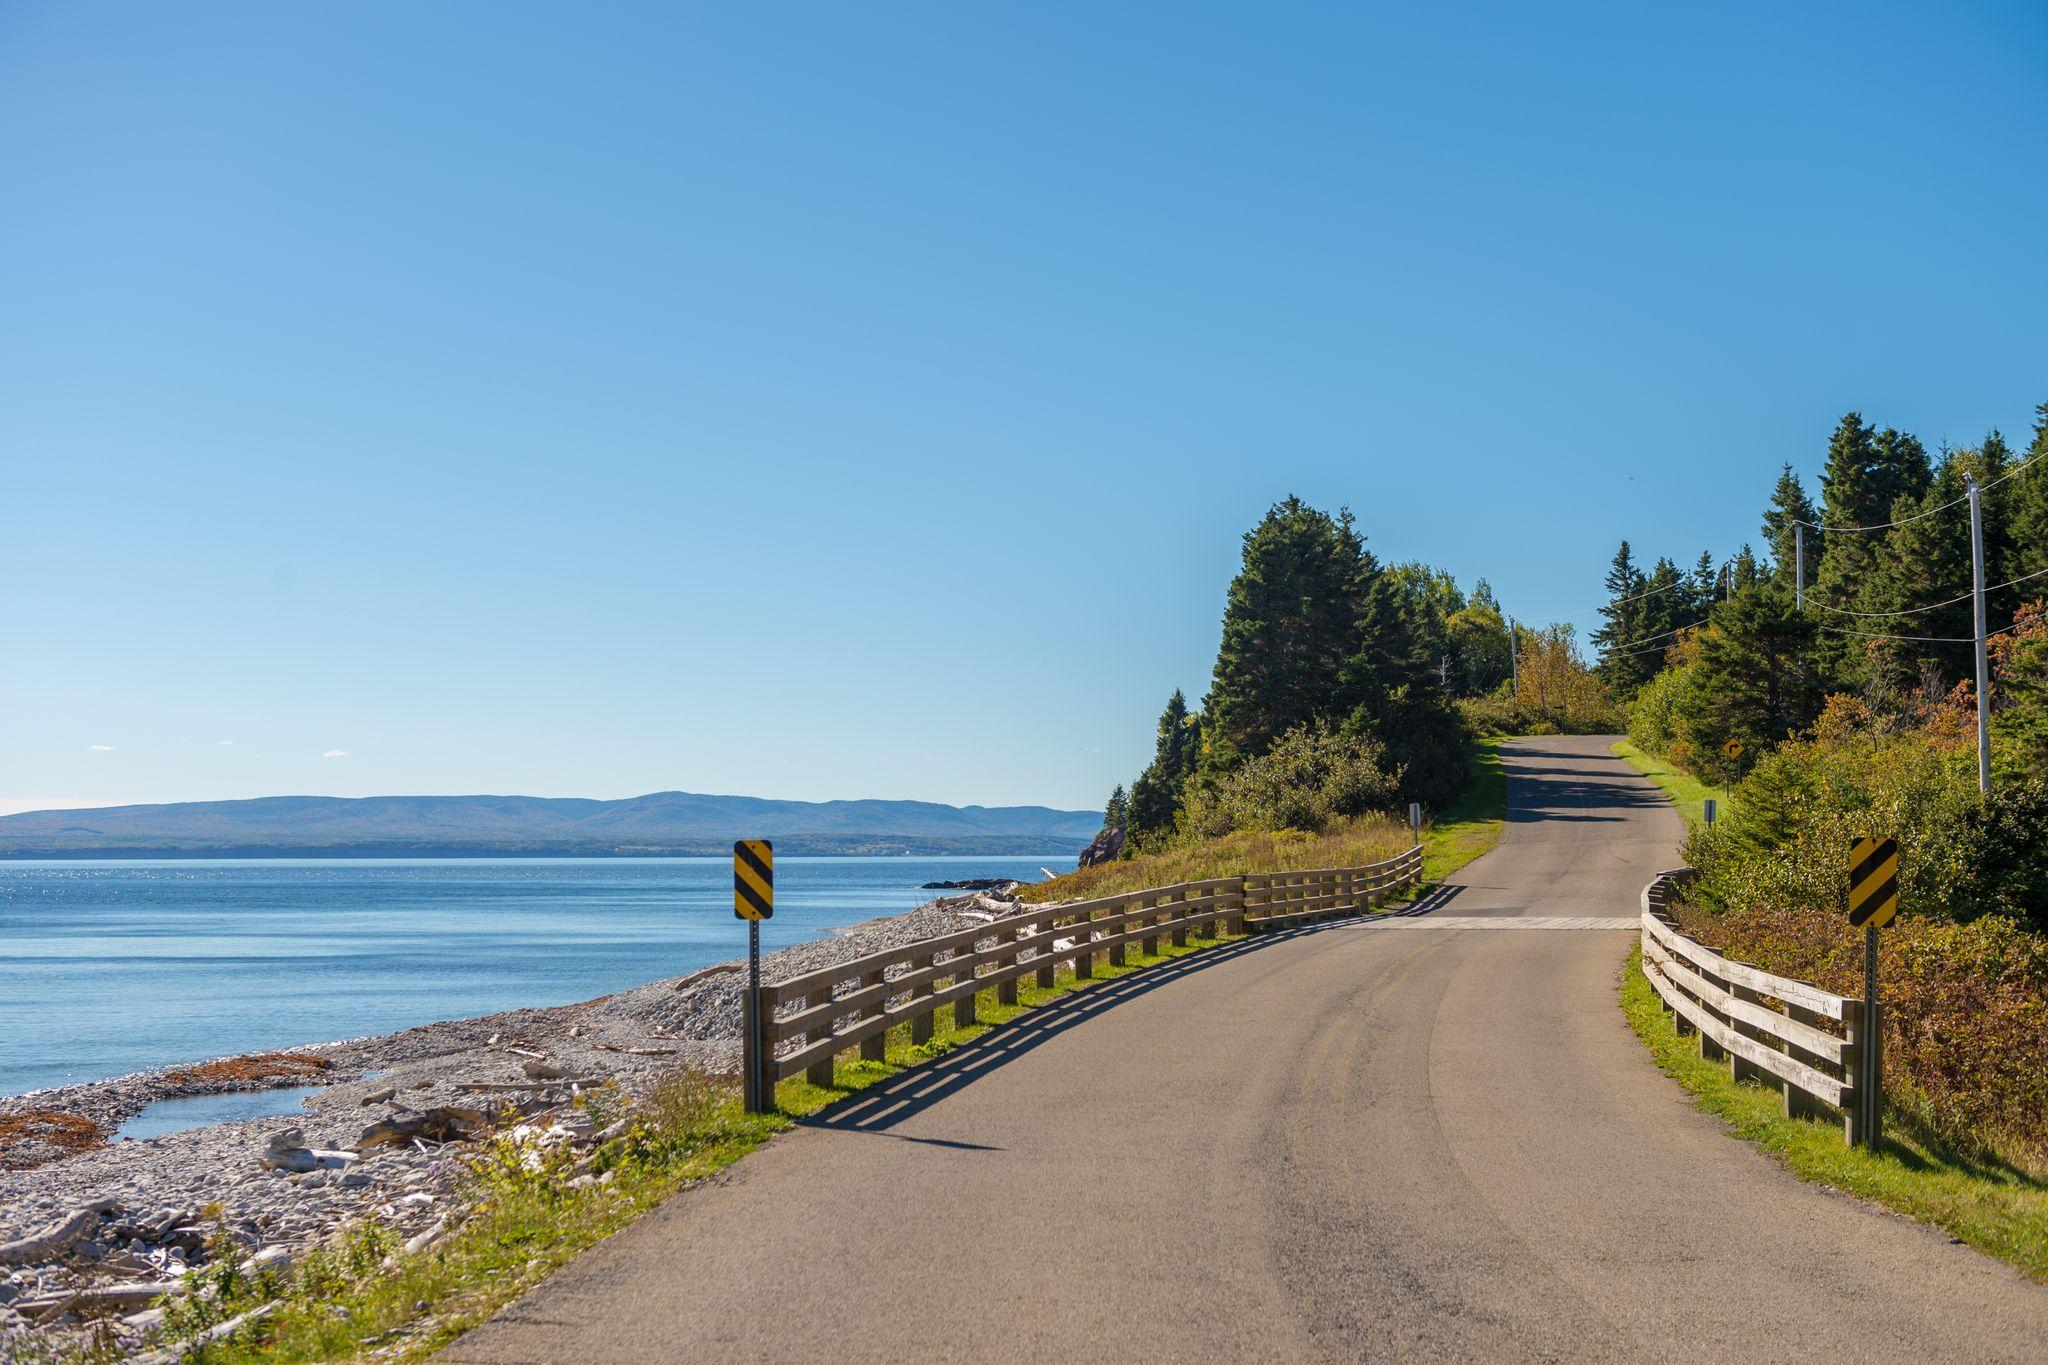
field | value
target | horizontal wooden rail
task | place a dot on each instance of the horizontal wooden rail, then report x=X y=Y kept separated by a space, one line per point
x=808 y=1020
x=1771 y=1028
x=1274 y=899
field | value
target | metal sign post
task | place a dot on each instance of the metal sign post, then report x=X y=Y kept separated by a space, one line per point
x=1415 y=820
x=1710 y=812
x=1873 y=902
x=753 y=900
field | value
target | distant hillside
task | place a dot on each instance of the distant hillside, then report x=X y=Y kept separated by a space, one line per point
x=678 y=823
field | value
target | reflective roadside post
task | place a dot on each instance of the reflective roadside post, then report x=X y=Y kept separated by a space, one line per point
x=753 y=900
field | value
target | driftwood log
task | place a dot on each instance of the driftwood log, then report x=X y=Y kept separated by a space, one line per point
x=56 y=1238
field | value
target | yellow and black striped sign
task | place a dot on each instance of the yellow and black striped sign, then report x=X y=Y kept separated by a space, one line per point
x=753 y=879
x=1873 y=882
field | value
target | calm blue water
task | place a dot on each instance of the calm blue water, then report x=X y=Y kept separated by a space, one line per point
x=106 y=968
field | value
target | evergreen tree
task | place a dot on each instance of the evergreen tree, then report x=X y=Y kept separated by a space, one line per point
x=1789 y=506
x=1926 y=560
x=1753 y=683
x=1745 y=571
x=1430 y=597
x=1154 y=805
x=1622 y=671
x=1705 y=588
x=1116 y=812
x=1665 y=608
x=1852 y=495
x=1869 y=473
x=1389 y=690
x=2027 y=509
x=1291 y=625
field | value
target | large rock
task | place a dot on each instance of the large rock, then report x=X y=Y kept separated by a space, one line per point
x=1107 y=848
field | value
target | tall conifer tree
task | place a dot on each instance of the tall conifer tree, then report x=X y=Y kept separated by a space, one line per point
x=1790 y=505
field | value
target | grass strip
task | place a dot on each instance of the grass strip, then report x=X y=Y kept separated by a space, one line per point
x=1687 y=792
x=1993 y=1207
x=1472 y=825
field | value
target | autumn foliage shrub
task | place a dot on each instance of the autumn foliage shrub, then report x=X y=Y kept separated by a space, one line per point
x=1965 y=1009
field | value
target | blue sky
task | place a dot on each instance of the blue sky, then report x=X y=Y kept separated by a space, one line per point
x=866 y=400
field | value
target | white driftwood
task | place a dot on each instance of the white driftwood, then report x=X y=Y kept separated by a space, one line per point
x=51 y=1241
x=219 y=1332
x=422 y=1241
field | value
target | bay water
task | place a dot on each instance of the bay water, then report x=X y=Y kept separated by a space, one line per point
x=109 y=967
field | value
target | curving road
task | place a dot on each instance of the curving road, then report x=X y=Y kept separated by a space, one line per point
x=1426 y=1139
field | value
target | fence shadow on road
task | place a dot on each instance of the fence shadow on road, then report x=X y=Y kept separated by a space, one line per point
x=882 y=1106
x=1436 y=898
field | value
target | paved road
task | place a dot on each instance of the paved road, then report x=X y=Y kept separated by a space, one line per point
x=1349 y=1142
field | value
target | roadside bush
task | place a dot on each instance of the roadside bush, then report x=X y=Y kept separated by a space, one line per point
x=1656 y=718
x=1308 y=779
x=1965 y=968
x=1501 y=714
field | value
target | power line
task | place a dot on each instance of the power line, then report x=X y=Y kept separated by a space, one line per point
x=1922 y=639
x=1911 y=639
x=2018 y=469
x=1643 y=646
x=1915 y=611
x=1683 y=580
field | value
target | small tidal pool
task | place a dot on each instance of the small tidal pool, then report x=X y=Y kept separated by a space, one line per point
x=200 y=1111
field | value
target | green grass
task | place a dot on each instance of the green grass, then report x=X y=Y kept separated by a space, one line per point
x=1687 y=792
x=1472 y=825
x=1992 y=1207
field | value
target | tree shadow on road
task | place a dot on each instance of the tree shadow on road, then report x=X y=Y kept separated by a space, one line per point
x=880 y=1107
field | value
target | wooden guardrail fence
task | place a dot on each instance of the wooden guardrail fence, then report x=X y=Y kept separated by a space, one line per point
x=1805 y=1040
x=808 y=1020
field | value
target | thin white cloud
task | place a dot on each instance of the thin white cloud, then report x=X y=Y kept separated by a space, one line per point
x=101 y=749
x=227 y=744
x=335 y=753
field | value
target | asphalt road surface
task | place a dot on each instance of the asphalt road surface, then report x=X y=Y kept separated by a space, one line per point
x=1353 y=1141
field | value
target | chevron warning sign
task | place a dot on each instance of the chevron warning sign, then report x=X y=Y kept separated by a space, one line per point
x=1873 y=882
x=753 y=879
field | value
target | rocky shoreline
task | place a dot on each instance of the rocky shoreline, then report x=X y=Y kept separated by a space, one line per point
x=101 y=1232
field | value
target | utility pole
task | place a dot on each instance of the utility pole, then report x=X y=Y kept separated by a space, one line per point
x=1799 y=566
x=1983 y=662
x=1514 y=659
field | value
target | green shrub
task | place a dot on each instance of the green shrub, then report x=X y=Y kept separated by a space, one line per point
x=1306 y=781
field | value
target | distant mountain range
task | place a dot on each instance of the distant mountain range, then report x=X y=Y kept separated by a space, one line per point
x=675 y=823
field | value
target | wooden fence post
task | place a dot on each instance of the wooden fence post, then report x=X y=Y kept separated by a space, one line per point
x=1006 y=989
x=1084 y=930
x=875 y=1049
x=964 y=1011
x=1739 y=1068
